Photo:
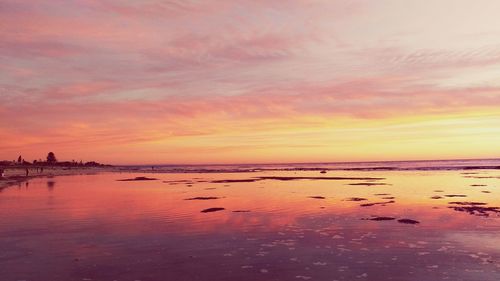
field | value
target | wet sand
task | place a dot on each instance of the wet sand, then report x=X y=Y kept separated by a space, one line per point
x=267 y=225
x=15 y=176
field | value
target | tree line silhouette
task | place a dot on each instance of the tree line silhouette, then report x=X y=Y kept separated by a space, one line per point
x=51 y=160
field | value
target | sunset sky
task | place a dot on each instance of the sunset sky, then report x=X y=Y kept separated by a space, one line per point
x=233 y=81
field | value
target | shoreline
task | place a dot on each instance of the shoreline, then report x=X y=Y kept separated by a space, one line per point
x=17 y=175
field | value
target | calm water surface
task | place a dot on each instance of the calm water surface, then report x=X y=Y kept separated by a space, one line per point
x=94 y=227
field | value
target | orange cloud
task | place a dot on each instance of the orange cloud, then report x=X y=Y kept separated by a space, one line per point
x=229 y=81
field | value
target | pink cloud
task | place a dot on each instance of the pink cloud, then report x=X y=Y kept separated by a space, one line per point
x=120 y=71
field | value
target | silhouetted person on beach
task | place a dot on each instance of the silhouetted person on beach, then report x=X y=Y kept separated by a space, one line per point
x=2 y=173
x=27 y=172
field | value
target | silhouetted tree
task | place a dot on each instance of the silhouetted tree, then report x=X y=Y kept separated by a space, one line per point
x=51 y=158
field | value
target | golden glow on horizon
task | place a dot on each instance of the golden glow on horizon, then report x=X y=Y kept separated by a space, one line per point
x=449 y=137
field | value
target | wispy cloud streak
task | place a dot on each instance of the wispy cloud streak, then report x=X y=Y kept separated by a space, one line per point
x=149 y=74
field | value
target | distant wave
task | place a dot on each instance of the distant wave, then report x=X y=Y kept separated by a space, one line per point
x=434 y=165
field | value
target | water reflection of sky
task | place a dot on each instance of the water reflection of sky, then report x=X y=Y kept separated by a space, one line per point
x=94 y=227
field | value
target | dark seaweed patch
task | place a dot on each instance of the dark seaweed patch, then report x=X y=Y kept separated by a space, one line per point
x=319 y=178
x=210 y=210
x=481 y=177
x=355 y=199
x=381 y=219
x=203 y=198
x=408 y=221
x=377 y=203
x=475 y=208
x=178 y=181
x=234 y=181
x=280 y=178
x=139 y=179
x=317 y=197
x=468 y=203
x=367 y=184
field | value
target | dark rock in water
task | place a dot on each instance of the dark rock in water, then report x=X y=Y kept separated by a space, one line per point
x=478 y=185
x=368 y=183
x=210 y=210
x=486 y=191
x=323 y=172
x=203 y=198
x=139 y=179
x=367 y=205
x=474 y=208
x=355 y=199
x=438 y=190
x=381 y=194
x=280 y=178
x=482 y=177
x=178 y=181
x=468 y=203
x=317 y=197
x=456 y=195
x=377 y=203
x=437 y=197
x=381 y=219
x=319 y=178
x=235 y=181
x=388 y=198
x=241 y=211
x=408 y=221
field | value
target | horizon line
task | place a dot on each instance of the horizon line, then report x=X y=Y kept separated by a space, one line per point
x=298 y=163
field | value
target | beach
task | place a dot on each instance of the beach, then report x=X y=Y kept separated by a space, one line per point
x=251 y=223
x=17 y=175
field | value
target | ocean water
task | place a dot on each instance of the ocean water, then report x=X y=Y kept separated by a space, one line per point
x=257 y=222
x=466 y=164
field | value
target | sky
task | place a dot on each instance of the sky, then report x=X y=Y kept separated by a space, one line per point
x=260 y=81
